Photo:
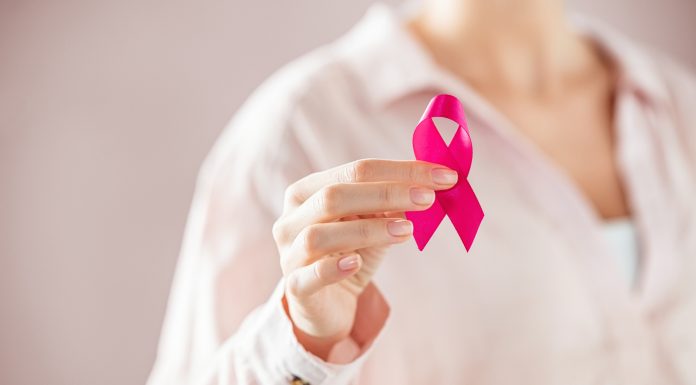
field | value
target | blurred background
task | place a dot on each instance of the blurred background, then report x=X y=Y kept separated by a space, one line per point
x=107 y=109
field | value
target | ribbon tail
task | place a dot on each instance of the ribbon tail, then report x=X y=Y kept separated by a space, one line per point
x=425 y=223
x=464 y=211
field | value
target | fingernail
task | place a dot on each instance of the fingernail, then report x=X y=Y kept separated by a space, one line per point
x=400 y=228
x=422 y=196
x=444 y=176
x=348 y=263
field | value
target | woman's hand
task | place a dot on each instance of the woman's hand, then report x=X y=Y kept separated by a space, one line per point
x=332 y=235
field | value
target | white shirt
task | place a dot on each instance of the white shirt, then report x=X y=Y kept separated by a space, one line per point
x=535 y=302
x=621 y=234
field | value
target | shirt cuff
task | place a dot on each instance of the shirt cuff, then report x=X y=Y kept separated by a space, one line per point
x=346 y=358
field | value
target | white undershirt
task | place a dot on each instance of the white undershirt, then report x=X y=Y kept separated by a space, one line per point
x=622 y=237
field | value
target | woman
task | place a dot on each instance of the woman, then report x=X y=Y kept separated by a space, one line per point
x=583 y=268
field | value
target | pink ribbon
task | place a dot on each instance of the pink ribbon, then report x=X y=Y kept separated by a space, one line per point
x=459 y=203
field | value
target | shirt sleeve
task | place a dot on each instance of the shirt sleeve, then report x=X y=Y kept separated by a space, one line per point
x=226 y=322
x=265 y=351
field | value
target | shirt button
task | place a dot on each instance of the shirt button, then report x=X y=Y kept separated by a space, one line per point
x=298 y=381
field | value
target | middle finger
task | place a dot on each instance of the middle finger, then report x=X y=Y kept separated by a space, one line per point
x=340 y=200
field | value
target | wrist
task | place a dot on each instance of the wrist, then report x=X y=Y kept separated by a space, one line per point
x=319 y=346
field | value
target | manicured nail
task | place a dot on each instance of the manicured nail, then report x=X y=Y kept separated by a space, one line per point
x=400 y=228
x=444 y=176
x=422 y=196
x=348 y=263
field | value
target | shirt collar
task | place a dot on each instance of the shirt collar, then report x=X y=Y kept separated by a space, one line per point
x=392 y=64
x=636 y=67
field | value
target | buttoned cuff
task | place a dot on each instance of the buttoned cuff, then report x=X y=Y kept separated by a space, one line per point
x=292 y=360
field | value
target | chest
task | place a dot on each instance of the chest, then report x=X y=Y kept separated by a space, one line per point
x=577 y=135
x=536 y=294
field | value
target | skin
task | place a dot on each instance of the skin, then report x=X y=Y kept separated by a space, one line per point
x=554 y=86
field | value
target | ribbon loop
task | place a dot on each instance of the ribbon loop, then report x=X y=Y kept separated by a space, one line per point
x=459 y=203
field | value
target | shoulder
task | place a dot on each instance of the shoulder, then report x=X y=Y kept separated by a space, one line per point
x=322 y=74
x=657 y=74
x=667 y=86
x=269 y=136
x=292 y=88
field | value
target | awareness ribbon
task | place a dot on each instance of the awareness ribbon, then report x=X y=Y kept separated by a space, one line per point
x=459 y=203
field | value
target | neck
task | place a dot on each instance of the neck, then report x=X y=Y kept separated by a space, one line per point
x=521 y=46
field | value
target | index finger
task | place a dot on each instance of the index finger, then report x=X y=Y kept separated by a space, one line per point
x=431 y=175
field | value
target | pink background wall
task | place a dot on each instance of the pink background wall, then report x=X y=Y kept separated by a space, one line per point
x=106 y=111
